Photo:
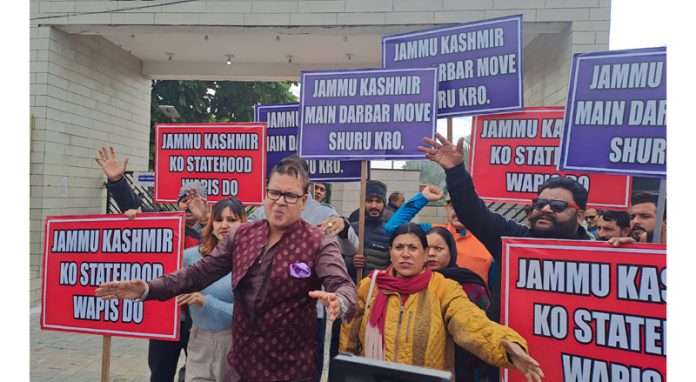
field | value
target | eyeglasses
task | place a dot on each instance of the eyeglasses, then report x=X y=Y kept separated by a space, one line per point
x=289 y=197
x=556 y=205
x=590 y=218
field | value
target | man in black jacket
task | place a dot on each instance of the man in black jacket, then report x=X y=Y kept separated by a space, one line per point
x=376 y=241
x=557 y=212
x=196 y=209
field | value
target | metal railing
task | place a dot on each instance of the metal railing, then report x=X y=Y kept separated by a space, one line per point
x=511 y=211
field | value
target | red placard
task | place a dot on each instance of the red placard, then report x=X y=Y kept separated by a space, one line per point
x=228 y=158
x=589 y=311
x=81 y=252
x=513 y=154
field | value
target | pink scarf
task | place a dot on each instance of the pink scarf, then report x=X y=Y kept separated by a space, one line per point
x=404 y=286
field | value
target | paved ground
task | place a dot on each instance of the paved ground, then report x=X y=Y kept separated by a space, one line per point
x=59 y=356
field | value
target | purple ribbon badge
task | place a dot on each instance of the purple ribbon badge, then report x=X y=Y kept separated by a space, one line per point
x=300 y=270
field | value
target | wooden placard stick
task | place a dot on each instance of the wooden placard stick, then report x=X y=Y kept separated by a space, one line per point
x=106 y=358
x=361 y=221
x=449 y=129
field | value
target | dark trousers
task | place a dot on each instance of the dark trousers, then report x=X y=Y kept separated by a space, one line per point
x=163 y=356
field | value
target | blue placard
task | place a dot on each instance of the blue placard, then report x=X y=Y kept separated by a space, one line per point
x=146 y=178
x=367 y=114
x=282 y=142
x=616 y=113
x=479 y=64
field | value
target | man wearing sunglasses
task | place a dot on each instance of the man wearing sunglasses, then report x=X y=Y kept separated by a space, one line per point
x=591 y=216
x=557 y=210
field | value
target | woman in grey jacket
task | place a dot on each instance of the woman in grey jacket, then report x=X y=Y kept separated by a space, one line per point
x=211 y=308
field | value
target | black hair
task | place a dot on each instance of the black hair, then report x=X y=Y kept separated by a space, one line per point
x=410 y=228
x=647 y=197
x=451 y=243
x=293 y=166
x=579 y=192
x=394 y=196
x=622 y=219
x=644 y=197
x=235 y=205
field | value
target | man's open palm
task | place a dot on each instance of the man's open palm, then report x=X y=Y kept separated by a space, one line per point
x=444 y=153
x=197 y=206
x=113 y=168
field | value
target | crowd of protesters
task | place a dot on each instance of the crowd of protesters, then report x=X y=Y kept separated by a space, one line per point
x=260 y=291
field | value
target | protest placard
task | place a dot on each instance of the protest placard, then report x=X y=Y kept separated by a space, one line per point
x=588 y=310
x=479 y=64
x=282 y=122
x=366 y=114
x=82 y=252
x=616 y=113
x=229 y=159
x=513 y=154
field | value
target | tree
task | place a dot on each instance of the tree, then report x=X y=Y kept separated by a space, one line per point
x=190 y=98
x=431 y=172
x=234 y=101
x=213 y=101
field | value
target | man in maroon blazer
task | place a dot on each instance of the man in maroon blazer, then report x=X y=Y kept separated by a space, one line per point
x=278 y=266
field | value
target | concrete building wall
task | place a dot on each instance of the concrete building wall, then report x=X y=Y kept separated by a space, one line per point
x=547 y=58
x=433 y=215
x=546 y=76
x=85 y=93
x=345 y=196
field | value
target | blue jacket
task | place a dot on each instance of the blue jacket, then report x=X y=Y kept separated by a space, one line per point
x=407 y=212
x=216 y=312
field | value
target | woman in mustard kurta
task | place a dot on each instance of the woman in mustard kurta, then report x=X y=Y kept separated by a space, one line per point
x=409 y=314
